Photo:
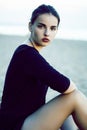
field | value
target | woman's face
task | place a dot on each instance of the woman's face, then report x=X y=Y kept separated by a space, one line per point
x=44 y=29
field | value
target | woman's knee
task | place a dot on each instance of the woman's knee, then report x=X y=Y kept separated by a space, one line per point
x=76 y=96
x=79 y=98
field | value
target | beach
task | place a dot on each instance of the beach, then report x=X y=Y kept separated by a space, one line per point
x=67 y=56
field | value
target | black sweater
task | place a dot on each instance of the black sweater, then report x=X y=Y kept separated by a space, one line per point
x=28 y=77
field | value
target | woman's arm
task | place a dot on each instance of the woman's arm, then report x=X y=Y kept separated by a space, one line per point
x=40 y=69
x=71 y=88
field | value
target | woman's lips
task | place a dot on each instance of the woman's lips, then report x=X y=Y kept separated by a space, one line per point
x=45 y=40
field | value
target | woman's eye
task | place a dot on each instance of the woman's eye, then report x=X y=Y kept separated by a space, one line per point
x=53 y=28
x=40 y=26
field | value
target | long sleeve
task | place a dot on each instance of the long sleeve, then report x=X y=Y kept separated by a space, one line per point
x=39 y=67
x=26 y=83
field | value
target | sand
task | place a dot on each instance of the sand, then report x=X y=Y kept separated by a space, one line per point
x=67 y=56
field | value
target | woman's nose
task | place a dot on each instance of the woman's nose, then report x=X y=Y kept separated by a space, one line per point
x=46 y=32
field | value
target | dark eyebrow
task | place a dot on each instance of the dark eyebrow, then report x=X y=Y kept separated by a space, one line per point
x=45 y=25
x=42 y=24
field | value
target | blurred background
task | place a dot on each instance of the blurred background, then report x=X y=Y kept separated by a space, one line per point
x=69 y=53
x=15 y=15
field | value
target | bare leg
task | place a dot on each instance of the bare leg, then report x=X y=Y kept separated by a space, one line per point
x=69 y=124
x=80 y=112
x=52 y=115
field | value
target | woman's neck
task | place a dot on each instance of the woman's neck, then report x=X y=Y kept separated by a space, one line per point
x=32 y=44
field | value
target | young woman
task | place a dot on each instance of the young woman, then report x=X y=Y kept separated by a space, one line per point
x=28 y=77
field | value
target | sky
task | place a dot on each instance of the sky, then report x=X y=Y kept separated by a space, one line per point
x=73 y=13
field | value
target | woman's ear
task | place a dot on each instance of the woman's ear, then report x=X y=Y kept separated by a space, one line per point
x=30 y=26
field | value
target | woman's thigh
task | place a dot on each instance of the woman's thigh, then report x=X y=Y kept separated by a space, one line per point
x=52 y=115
